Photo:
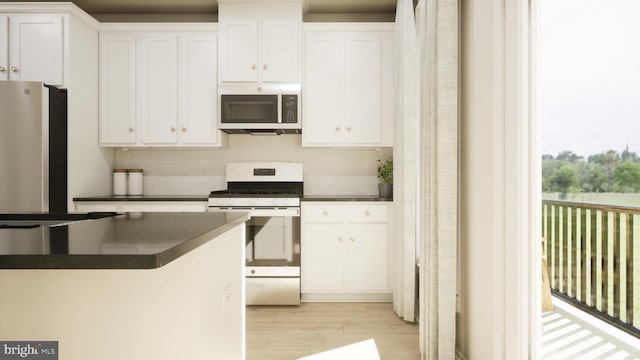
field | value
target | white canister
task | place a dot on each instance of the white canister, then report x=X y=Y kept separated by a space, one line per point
x=136 y=181
x=119 y=182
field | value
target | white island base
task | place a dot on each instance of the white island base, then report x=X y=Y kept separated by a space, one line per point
x=191 y=308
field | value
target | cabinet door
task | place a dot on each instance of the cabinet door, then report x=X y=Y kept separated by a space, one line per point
x=117 y=89
x=363 y=74
x=4 y=47
x=366 y=259
x=36 y=48
x=198 y=90
x=280 y=51
x=322 y=263
x=238 y=50
x=324 y=89
x=158 y=88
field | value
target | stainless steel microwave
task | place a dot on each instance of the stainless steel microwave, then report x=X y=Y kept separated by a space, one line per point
x=274 y=109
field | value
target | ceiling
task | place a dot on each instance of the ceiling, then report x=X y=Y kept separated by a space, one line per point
x=96 y=7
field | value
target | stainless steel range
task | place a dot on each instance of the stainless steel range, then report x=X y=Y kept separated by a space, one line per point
x=270 y=192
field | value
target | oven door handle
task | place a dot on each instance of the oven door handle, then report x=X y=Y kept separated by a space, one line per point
x=260 y=212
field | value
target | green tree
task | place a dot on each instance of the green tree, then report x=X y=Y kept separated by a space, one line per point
x=593 y=177
x=627 y=155
x=549 y=167
x=569 y=156
x=565 y=179
x=627 y=176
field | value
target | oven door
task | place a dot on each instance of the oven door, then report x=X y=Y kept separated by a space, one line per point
x=273 y=240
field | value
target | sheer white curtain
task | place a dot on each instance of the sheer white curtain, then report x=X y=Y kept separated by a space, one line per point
x=406 y=160
x=438 y=40
x=426 y=159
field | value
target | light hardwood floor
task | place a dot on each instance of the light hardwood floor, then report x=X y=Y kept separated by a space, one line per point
x=291 y=332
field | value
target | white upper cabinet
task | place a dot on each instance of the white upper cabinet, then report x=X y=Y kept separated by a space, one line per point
x=239 y=50
x=259 y=50
x=117 y=89
x=197 y=84
x=31 y=48
x=348 y=86
x=259 y=42
x=158 y=89
x=157 y=99
x=280 y=51
x=4 y=47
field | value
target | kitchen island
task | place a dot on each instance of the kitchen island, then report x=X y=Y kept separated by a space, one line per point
x=134 y=286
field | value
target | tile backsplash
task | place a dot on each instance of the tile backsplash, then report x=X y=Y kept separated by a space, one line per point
x=198 y=171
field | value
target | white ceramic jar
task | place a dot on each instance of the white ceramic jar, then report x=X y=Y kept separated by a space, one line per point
x=136 y=182
x=119 y=182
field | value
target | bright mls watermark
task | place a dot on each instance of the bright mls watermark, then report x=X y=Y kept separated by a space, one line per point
x=30 y=350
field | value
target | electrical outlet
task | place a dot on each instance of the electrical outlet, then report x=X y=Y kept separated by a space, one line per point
x=226 y=296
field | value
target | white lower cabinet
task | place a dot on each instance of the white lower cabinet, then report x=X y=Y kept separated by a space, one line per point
x=345 y=251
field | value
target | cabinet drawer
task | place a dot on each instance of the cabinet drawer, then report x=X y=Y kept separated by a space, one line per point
x=340 y=213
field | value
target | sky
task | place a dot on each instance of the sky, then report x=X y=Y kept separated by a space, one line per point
x=589 y=75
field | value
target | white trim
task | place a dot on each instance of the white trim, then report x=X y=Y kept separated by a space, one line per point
x=159 y=27
x=517 y=249
x=49 y=8
x=348 y=26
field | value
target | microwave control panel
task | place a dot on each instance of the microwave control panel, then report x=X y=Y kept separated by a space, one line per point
x=289 y=109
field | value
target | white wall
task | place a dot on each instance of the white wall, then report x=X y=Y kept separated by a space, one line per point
x=194 y=172
x=89 y=166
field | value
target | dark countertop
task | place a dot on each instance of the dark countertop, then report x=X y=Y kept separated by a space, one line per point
x=143 y=198
x=206 y=197
x=344 y=198
x=141 y=241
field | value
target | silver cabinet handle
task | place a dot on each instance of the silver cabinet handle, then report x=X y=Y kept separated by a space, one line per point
x=337 y=128
x=184 y=129
x=130 y=129
x=264 y=66
x=349 y=128
x=2 y=69
x=14 y=69
x=253 y=66
x=366 y=213
x=173 y=129
x=325 y=213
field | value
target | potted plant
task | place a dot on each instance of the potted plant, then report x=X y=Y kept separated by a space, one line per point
x=385 y=175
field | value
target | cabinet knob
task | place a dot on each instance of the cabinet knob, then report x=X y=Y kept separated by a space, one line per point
x=14 y=69
x=2 y=69
x=173 y=129
x=352 y=239
x=130 y=129
x=259 y=88
x=264 y=66
x=349 y=128
x=340 y=238
x=337 y=128
x=325 y=213
x=184 y=129
x=253 y=66
x=366 y=213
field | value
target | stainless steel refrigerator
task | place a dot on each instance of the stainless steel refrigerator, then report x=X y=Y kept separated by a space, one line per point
x=33 y=148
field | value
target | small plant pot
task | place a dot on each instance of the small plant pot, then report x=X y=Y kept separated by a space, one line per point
x=385 y=191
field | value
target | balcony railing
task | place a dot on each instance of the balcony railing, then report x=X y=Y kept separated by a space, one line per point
x=593 y=257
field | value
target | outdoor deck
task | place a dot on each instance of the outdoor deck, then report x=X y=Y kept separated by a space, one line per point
x=570 y=333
